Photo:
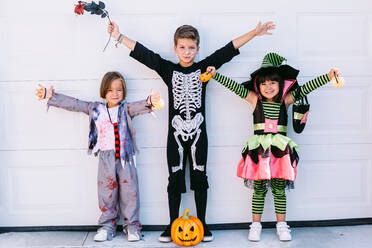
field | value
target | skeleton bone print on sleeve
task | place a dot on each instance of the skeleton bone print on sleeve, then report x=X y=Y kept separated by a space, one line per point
x=187 y=95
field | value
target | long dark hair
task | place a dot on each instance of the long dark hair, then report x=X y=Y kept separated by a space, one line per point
x=271 y=77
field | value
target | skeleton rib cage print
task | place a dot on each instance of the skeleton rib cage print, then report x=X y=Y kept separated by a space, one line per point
x=187 y=95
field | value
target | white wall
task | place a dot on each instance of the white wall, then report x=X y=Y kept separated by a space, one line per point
x=46 y=178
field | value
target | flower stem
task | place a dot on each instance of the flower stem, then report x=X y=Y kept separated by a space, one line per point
x=109 y=35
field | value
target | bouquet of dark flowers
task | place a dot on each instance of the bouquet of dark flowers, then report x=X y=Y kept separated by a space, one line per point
x=94 y=9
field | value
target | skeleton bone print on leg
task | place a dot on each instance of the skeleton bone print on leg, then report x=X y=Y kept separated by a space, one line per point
x=187 y=95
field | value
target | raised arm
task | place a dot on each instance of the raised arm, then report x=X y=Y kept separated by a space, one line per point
x=139 y=52
x=310 y=86
x=113 y=30
x=144 y=106
x=261 y=29
x=232 y=85
x=63 y=101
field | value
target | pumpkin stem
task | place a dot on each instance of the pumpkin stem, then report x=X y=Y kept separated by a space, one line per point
x=186 y=215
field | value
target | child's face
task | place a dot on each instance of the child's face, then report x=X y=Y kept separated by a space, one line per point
x=269 y=89
x=115 y=93
x=186 y=49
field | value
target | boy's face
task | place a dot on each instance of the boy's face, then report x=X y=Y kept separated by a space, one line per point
x=186 y=49
x=115 y=93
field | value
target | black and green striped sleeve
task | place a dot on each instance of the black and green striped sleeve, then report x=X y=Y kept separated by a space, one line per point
x=309 y=86
x=231 y=85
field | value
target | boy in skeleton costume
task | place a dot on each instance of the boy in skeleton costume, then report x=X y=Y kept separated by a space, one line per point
x=187 y=137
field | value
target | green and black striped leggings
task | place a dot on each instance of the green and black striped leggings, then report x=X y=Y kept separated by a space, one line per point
x=260 y=190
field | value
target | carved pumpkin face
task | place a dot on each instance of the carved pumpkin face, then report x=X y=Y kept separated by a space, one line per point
x=187 y=230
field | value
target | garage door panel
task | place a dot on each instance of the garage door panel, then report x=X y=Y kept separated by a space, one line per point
x=45 y=187
x=32 y=58
x=328 y=109
x=153 y=178
x=41 y=182
x=334 y=180
x=369 y=51
x=234 y=25
x=322 y=34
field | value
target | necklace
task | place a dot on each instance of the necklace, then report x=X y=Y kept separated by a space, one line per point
x=116 y=134
x=108 y=112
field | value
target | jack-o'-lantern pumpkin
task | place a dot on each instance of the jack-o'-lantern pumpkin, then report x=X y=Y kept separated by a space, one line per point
x=187 y=230
x=206 y=76
x=41 y=92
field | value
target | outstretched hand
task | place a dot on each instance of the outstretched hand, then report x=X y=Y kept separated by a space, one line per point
x=113 y=30
x=155 y=101
x=337 y=81
x=206 y=76
x=44 y=93
x=154 y=96
x=262 y=29
x=334 y=72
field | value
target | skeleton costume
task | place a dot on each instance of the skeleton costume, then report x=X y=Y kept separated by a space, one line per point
x=187 y=137
x=117 y=175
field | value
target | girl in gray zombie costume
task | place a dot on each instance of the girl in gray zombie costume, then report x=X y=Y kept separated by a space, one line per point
x=112 y=137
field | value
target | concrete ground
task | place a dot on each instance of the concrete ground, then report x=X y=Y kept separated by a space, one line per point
x=306 y=237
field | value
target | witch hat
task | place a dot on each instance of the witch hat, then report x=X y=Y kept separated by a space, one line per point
x=272 y=63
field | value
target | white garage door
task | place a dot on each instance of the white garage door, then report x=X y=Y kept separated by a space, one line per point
x=46 y=178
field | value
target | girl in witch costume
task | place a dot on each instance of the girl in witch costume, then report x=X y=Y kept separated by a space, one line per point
x=112 y=137
x=269 y=157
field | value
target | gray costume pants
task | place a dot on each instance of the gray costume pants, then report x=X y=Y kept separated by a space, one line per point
x=117 y=189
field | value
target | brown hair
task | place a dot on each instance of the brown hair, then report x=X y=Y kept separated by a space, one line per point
x=188 y=32
x=107 y=80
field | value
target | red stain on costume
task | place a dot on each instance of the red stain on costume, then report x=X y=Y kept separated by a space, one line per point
x=103 y=209
x=110 y=196
x=112 y=184
x=125 y=181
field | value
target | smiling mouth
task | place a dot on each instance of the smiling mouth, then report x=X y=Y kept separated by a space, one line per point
x=187 y=240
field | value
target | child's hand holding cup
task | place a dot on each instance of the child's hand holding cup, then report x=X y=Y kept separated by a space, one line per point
x=336 y=80
x=43 y=93
x=155 y=100
x=206 y=76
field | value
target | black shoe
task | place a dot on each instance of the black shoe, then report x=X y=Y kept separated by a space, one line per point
x=165 y=237
x=208 y=236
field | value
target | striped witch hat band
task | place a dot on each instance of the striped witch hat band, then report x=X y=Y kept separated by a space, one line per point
x=272 y=59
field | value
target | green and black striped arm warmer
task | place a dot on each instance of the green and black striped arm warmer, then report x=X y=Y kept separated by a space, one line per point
x=308 y=87
x=231 y=85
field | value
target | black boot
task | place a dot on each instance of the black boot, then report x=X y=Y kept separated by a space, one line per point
x=201 y=207
x=174 y=201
